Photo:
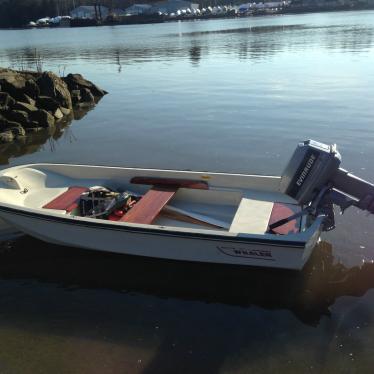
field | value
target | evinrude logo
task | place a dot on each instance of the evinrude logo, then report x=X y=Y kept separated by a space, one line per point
x=306 y=170
x=244 y=252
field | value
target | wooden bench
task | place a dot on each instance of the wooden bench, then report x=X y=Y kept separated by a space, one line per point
x=162 y=191
x=68 y=200
x=255 y=216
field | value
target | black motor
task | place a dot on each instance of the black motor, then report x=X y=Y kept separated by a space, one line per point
x=313 y=177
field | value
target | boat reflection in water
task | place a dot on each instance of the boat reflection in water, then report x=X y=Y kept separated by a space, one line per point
x=308 y=294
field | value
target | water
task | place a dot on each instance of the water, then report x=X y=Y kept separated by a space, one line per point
x=222 y=95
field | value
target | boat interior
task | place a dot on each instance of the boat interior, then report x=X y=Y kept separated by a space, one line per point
x=234 y=203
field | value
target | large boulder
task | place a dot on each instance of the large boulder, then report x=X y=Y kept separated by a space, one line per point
x=28 y=108
x=32 y=89
x=47 y=103
x=6 y=100
x=18 y=116
x=77 y=82
x=76 y=97
x=12 y=82
x=18 y=131
x=53 y=86
x=5 y=123
x=6 y=136
x=33 y=126
x=43 y=118
x=87 y=96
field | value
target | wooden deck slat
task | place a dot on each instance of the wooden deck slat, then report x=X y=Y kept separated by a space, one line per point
x=150 y=205
x=67 y=200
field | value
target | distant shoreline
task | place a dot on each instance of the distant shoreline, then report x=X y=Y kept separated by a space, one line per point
x=286 y=11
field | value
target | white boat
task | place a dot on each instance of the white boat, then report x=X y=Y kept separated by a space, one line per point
x=182 y=215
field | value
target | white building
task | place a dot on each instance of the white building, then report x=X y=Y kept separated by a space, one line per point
x=172 y=6
x=136 y=9
x=88 y=11
x=118 y=12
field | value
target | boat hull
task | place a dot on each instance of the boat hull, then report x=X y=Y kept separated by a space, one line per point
x=182 y=246
x=8 y=232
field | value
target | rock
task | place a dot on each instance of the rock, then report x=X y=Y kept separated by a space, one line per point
x=53 y=86
x=47 y=103
x=12 y=82
x=58 y=114
x=65 y=111
x=76 y=97
x=6 y=136
x=24 y=107
x=28 y=100
x=77 y=82
x=87 y=96
x=31 y=125
x=43 y=118
x=33 y=129
x=5 y=124
x=18 y=116
x=32 y=89
x=6 y=100
x=18 y=131
x=31 y=101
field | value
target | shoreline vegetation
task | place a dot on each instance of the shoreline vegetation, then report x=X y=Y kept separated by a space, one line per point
x=33 y=101
x=23 y=13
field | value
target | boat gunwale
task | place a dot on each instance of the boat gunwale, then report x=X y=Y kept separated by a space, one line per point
x=213 y=173
x=284 y=241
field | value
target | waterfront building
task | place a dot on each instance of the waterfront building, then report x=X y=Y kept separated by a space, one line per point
x=172 y=6
x=90 y=12
x=138 y=9
x=118 y=12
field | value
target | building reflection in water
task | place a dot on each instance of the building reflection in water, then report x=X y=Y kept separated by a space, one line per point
x=254 y=43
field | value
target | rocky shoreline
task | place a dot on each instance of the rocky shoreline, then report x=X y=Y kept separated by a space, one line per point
x=32 y=101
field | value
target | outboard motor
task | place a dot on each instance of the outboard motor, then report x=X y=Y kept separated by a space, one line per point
x=314 y=179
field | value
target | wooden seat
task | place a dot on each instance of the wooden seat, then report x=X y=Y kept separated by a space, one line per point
x=68 y=200
x=150 y=205
x=255 y=216
x=252 y=216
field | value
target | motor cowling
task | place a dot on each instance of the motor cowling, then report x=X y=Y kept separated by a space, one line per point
x=312 y=166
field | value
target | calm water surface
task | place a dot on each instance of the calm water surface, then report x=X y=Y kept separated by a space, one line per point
x=221 y=95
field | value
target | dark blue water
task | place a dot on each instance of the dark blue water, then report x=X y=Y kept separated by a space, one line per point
x=221 y=95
